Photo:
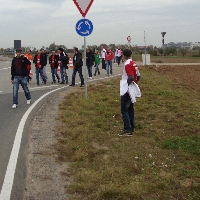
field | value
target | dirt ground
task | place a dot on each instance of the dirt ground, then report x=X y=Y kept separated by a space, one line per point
x=44 y=174
x=187 y=75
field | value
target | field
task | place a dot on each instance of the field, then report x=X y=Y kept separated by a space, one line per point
x=160 y=161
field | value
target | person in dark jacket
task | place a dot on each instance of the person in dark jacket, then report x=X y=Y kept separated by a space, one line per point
x=77 y=63
x=64 y=59
x=53 y=61
x=40 y=62
x=45 y=55
x=19 y=75
x=90 y=58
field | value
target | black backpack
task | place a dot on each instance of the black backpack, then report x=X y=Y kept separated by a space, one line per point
x=66 y=59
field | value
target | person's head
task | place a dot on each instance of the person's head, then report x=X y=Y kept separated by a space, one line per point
x=60 y=50
x=28 y=51
x=18 y=52
x=88 y=50
x=38 y=52
x=53 y=53
x=108 y=49
x=96 y=52
x=127 y=54
x=42 y=50
x=75 y=50
x=102 y=47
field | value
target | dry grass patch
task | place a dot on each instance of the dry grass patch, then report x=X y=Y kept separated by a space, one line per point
x=160 y=161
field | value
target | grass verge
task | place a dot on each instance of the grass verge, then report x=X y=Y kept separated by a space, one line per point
x=160 y=161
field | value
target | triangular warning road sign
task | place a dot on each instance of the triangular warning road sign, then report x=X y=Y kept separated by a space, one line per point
x=83 y=6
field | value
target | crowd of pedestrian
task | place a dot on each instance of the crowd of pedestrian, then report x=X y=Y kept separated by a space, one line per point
x=129 y=90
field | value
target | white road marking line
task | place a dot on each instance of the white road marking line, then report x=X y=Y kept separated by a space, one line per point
x=10 y=172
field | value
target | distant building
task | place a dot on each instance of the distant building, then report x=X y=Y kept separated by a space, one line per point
x=186 y=45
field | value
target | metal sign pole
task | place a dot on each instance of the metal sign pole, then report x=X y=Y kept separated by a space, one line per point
x=84 y=62
x=145 y=49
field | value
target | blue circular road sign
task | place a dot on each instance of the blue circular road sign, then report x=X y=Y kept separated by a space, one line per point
x=84 y=27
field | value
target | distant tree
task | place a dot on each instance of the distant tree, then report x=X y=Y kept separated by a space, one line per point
x=183 y=51
x=161 y=51
x=52 y=47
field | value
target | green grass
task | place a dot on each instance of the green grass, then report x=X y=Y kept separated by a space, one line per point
x=161 y=160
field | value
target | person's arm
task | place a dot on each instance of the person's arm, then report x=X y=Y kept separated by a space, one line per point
x=12 y=71
x=130 y=73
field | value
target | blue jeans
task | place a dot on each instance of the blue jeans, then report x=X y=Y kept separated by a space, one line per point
x=118 y=59
x=40 y=71
x=63 y=74
x=54 y=74
x=23 y=81
x=89 y=71
x=127 y=111
x=44 y=72
x=109 y=63
x=79 y=70
x=96 y=67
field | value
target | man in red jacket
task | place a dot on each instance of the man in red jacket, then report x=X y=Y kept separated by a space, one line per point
x=108 y=58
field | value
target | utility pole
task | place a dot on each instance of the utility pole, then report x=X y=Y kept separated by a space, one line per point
x=163 y=42
x=145 y=49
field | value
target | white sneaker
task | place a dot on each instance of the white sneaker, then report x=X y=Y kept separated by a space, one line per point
x=14 y=106
x=90 y=77
x=28 y=101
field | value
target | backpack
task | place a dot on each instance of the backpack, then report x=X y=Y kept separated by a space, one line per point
x=66 y=59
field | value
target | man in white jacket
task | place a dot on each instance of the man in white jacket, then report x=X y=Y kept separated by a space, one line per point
x=129 y=90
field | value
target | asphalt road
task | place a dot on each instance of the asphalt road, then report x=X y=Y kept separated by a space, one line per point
x=11 y=118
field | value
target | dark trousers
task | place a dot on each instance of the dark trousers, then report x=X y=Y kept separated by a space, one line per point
x=79 y=70
x=103 y=63
x=127 y=111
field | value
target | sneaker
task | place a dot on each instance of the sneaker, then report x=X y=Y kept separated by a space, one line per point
x=125 y=133
x=14 y=106
x=90 y=77
x=129 y=134
x=62 y=82
x=71 y=85
x=28 y=101
x=66 y=82
x=81 y=85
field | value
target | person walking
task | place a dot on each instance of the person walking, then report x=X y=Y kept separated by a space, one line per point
x=30 y=58
x=103 y=51
x=53 y=62
x=45 y=57
x=19 y=75
x=97 y=62
x=64 y=60
x=39 y=62
x=118 y=55
x=89 y=62
x=108 y=58
x=129 y=90
x=77 y=63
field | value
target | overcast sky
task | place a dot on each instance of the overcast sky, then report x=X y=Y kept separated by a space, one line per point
x=39 y=23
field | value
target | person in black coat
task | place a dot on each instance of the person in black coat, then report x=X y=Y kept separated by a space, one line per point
x=77 y=63
x=53 y=62
x=89 y=61
x=40 y=62
x=19 y=75
x=64 y=60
